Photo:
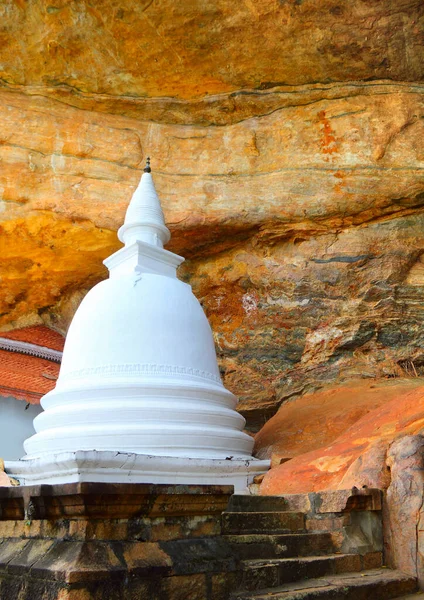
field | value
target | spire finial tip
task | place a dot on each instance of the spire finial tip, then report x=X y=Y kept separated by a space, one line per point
x=147 y=168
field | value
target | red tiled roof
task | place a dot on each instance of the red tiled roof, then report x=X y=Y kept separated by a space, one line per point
x=38 y=335
x=27 y=377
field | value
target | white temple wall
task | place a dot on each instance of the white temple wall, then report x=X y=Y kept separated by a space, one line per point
x=16 y=425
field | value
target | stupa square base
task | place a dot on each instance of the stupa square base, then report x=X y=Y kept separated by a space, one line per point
x=121 y=467
x=94 y=541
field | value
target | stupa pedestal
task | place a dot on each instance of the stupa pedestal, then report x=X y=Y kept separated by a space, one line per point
x=120 y=467
x=139 y=398
x=100 y=541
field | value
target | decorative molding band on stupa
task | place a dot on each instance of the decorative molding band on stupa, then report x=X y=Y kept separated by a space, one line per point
x=135 y=369
x=139 y=377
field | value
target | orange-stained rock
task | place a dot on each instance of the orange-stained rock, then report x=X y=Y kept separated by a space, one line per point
x=317 y=420
x=5 y=480
x=107 y=52
x=307 y=261
x=356 y=456
x=286 y=143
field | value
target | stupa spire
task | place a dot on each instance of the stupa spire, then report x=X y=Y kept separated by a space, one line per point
x=147 y=168
x=144 y=220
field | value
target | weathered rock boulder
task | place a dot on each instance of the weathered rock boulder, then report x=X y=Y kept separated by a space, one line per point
x=317 y=420
x=404 y=515
x=343 y=448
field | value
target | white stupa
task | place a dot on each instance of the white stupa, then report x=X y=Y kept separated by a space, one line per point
x=139 y=397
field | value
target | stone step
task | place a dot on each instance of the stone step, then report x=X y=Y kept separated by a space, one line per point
x=284 y=545
x=262 y=522
x=257 y=574
x=246 y=503
x=377 y=584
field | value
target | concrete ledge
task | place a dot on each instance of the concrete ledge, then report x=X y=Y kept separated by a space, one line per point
x=119 y=467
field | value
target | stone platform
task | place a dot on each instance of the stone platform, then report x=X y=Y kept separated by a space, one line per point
x=102 y=541
x=110 y=541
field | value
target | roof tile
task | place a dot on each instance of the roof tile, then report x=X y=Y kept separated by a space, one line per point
x=26 y=377
x=39 y=335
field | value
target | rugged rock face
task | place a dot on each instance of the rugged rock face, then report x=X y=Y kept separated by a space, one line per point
x=189 y=50
x=404 y=506
x=286 y=144
x=308 y=267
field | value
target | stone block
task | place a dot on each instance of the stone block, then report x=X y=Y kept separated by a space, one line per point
x=193 y=587
x=9 y=549
x=11 y=529
x=33 y=551
x=54 y=529
x=200 y=555
x=372 y=560
x=337 y=539
x=220 y=585
x=326 y=524
x=173 y=528
x=146 y=559
x=298 y=502
x=246 y=503
x=32 y=529
x=98 y=529
x=71 y=562
x=78 y=529
x=25 y=588
x=347 y=563
x=346 y=500
x=11 y=504
x=265 y=522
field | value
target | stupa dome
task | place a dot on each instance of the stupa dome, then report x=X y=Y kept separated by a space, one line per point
x=139 y=371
